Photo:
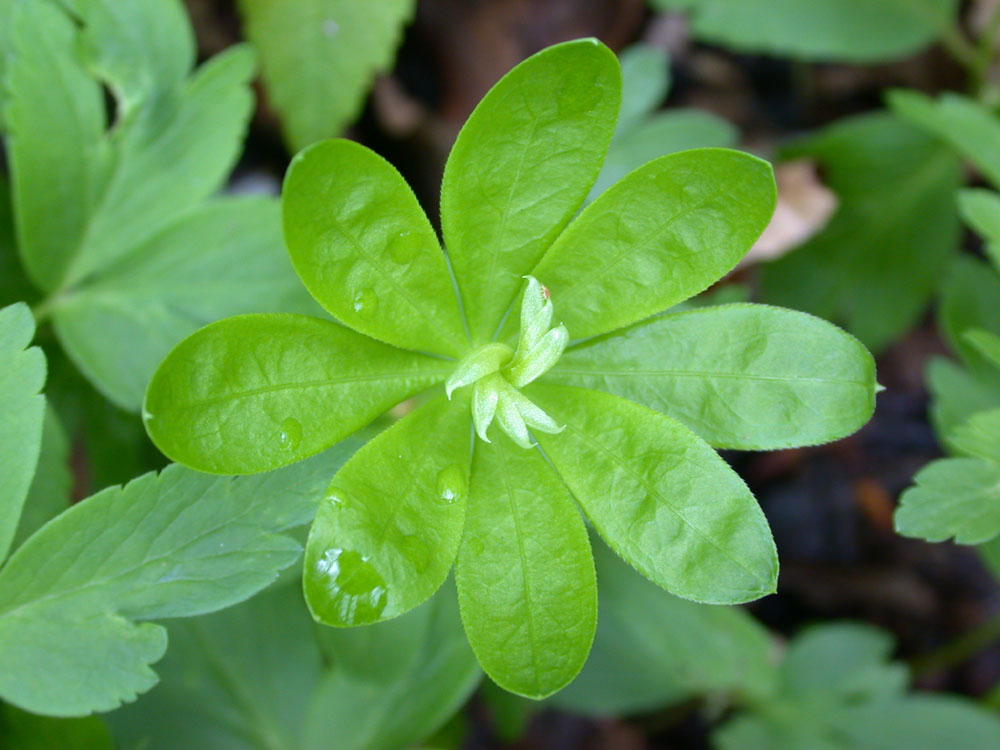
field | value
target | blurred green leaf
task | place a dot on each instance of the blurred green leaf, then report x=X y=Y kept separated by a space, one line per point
x=20 y=730
x=880 y=259
x=970 y=300
x=49 y=494
x=850 y=31
x=319 y=58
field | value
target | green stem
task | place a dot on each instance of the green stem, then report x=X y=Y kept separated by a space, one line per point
x=959 y=650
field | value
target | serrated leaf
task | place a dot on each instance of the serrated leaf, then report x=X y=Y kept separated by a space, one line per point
x=366 y=251
x=978 y=436
x=751 y=377
x=958 y=393
x=952 y=497
x=618 y=262
x=660 y=496
x=525 y=575
x=319 y=58
x=49 y=494
x=851 y=31
x=877 y=263
x=169 y=545
x=661 y=134
x=255 y=392
x=520 y=168
x=970 y=299
x=388 y=530
x=653 y=649
x=223 y=258
x=22 y=375
x=967 y=126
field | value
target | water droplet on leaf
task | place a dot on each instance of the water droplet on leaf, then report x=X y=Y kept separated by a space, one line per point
x=356 y=592
x=450 y=484
x=402 y=248
x=365 y=303
x=290 y=434
x=331 y=28
x=336 y=497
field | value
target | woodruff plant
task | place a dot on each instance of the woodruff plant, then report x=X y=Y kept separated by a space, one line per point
x=585 y=364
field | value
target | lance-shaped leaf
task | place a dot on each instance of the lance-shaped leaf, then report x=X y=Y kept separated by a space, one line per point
x=525 y=575
x=662 y=234
x=953 y=497
x=255 y=392
x=660 y=496
x=22 y=375
x=388 y=529
x=223 y=258
x=741 y=376
x=366 y=251
x=169 y=545
x=520 y=168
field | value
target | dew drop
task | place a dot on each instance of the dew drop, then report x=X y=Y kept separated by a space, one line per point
x=335 y=498
x=290 y=434
x=353 y=591
x=402 y=248
x=450 y=484
x=365 y=304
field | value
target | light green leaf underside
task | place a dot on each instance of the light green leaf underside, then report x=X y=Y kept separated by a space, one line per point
x=253 y=676
x=366 y=251
x=662 y=234
x=255 y=392
x=525 y=575
x=169 y=545
x=850 y=31
x=388 y=530
x=970 y=300
x=520 y=168
x=49 y=494
x=319 y=58
x=222 y=258
x=967 y=126
x=653 y=649
x=660 y=496
x=952 y=497
x=981 y=210
x=22 y=375
x=877 y=263
x=658 y=135
x=742 y=376
x=85 y=198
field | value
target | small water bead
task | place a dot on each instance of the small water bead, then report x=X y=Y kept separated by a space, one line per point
x=290 y=433
x=366 y=303
x=357 y=592
x=336 y=498
x=451 y=484
x=403 y=249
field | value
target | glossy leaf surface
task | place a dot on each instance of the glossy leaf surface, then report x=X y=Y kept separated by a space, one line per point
x=660 y=496
x=319 y=58
x=545 y=128
x=365 y=250
x=22 y=375
x=169 y=545
x=388 y=530
x=741 y=376
x=662 y=234
x=525 y=574
x=255 y=392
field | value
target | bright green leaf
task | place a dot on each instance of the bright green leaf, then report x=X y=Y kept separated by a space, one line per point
x=978 y=436
x=952 y=497
x=653 y=649
x=525 y=575
x=877 y=263
x=969 y=127
x=520 y=168
x=741 y=376
x=224 y=258
x=662 y=234
x=22 y=375
x=660 y=496
x=169 y=545
x=49 y=494
x=255 y=392
x=850 y=31
x=388 y=530
x=664 y=133
x=319 y=58
x=366 y=251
